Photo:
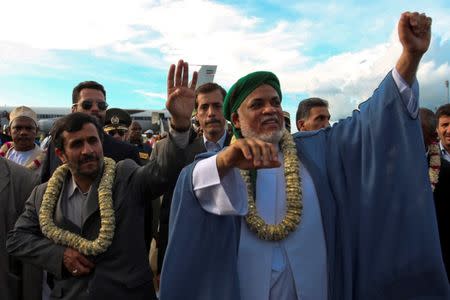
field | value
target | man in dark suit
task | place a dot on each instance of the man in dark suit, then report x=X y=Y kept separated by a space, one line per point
x=208 y=105
x=90 y=97
x=442 y=190
x=18 y=281
x=94 y=199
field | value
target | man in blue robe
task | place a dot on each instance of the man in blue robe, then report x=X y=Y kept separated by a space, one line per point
x=368 y=226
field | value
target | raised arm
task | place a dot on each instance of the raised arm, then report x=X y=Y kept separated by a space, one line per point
x=414 y=31
x=168 y=157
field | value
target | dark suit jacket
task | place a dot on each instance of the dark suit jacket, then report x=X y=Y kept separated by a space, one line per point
x=18 y=281
x=195 y=146
x=122 y=272
x=442 y=204
x=111 y=148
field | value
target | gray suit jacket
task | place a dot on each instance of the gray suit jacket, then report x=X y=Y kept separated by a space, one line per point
x=18 y=281
x=122 y=272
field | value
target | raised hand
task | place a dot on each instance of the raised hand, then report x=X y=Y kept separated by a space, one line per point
x=180 y=97
x=414 y=31
x=247 y=154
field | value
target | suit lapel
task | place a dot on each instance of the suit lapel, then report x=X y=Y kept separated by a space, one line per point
x=91 y=205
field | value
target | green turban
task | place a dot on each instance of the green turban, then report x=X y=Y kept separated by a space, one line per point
x=244 y=87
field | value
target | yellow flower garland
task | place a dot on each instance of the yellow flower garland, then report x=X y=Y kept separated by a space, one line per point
x=435 y=164
x=105 y=203
x=294 y=202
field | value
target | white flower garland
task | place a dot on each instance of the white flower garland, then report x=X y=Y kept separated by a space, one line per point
x=105 y=203
x=294 y=199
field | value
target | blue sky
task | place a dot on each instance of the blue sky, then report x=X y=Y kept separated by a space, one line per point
x=337 y=50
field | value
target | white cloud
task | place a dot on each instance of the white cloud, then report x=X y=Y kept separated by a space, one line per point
x=151 y=94
x=156 y=33
x=76 y=25
x=18 y=58
x=350 y=78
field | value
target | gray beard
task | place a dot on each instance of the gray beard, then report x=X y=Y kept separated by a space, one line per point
x=273 y=137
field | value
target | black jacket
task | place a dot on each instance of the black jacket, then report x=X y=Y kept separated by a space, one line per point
x=442 y=203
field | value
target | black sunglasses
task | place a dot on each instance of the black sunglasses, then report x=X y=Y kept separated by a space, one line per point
x=120 y=132
x=87 y=104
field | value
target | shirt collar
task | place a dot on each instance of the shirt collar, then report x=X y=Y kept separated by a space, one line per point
x=444 y=153
x=220 y=142
x=73 y=188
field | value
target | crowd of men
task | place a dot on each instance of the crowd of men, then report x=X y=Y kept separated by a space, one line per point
x=357 y=210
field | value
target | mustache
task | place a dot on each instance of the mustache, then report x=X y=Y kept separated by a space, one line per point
x=212 y=121
x=88 y=158
x=269 y=118
x=24 y=138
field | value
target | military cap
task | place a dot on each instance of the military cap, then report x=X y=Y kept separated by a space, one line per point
x=116 y=119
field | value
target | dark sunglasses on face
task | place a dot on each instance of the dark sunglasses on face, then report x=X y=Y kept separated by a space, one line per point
x=120 y=132
x=87 y=104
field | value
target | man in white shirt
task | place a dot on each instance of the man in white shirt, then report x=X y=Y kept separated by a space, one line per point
x=23 y=150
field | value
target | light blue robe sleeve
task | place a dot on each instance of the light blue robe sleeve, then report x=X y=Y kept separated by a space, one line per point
x=386 y=220
x=202 y=245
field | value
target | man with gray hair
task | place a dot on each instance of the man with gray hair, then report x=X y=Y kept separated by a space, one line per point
x=312 y=114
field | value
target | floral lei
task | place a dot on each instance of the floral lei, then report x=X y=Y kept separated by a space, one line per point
x=105 y=203
x=33 y=165
x=294 y=207
x=435 y=164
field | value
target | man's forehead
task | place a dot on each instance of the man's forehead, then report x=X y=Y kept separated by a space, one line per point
x=210 y=97
x=320 y=110
x=88 y=130
x=444 y=119
x=92 y=94
x=23 y=121
x=264 y=91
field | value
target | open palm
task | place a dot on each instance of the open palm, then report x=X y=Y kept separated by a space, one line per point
x=180 y=95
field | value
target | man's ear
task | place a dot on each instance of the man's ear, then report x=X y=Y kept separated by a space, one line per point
x=74 y=107
x=300 y=124
x=61 y=155
x=235 y=120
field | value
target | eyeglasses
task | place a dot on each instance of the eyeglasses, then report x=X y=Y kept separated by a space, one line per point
x=120 y=132
x=87 y=104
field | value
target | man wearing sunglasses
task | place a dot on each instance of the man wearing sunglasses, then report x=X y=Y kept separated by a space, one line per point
x=117 y=122
x=90 y=97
